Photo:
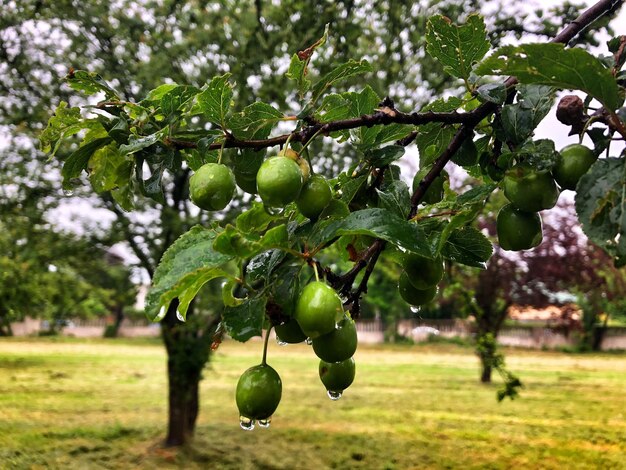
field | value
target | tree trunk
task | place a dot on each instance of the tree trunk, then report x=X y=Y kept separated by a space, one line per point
x=5 y=326
x=112 y=331
x=188 y=346
x=485 y=375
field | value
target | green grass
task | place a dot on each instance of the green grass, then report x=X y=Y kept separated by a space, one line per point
x=101 y=404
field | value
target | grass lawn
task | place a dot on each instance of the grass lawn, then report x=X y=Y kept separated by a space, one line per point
x=102 y=404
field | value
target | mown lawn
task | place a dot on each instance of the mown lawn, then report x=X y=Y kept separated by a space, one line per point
x=101 y=404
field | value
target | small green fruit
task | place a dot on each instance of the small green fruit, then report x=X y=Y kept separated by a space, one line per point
x=414 y=296
x=318 y=309
x=337 y=376
x=423 y=272
x=338 y=345
x=290 y=332
x=212 y=186
x=518 y=230
x=314 y=197
x=258 y=392
x=573 y=163
x=279 y=181
x=530 y=190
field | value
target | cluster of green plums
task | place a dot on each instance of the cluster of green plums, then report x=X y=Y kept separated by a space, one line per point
x=529 y=191
x=419 y=279
x=279 y=181
x=320 y=320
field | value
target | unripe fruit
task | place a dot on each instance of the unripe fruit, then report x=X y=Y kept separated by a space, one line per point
x=279 y=181
x=318 y=309
x=573 y=163
x=338 y=345
x=258 y=392
x=290 y=332
x=414 y=296
x=305 y=168
x=530 y=190
x=212 y=186
x=337 y=376
x=518 y=230
x=423 y=272
x=314 y=197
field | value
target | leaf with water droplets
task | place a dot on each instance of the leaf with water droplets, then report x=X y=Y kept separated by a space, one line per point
x=244 y=321
x=555 y=66
x=458 y=48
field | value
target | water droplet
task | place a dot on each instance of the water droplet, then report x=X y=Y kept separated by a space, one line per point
x=308 y=341
x=334 y=396
x=265 y=423
x=415 y=309
x=180 y=316
x=68 y=192
x=162 y=312
x=280 y=342
x=274 y=210
x=246 y=424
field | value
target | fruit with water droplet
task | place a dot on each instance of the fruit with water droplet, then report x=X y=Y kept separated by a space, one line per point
x=279 y=181
x=530 y=190
x=423 y=272
x=574 y=161
x=318 y=309
x=337 y=376
x=258 y=392
x=212 y=186
x=412 y=295
x=518 y=230
x=290 y=332
x=314 y=197
x=338 y=345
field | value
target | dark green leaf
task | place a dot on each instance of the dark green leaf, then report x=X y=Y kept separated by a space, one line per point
x=185 y=267
x=382 y=157
x=458 y=48
x=255 y=219
x=468 y=246
x=255 y=121
x=555 y=66
x=494 y=92
x=90 y=83
x=103 y=168
x=177 y=97
x=379 y=223
x=519 y=120
x=600 y=206
x=79 y=159
x=343 y=71
x=434 y=137
x=396 y=199
x=136 y=142
x=244 y=321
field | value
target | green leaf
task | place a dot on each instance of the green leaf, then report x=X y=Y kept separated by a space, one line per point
x=216 y=98
x=255 y=121
x=246 y=245
x=555 y=66
x=379 y=223
x=187 y=264
x=396 y=199
x=299 y=62
x=343 y=71
x=476 y=195
x=136 y=142
x=382 y=157
x=468 y=246
x=125 y=183
x=177 y=98
x=600 y=205
x=255 y=219
x=363 y=102
x=493 y=92
x=63 y=124
x=104 y=165
x=90 y=83
x=244 y=321
x=519 y=120
x=160 y=91
x=78 y=160
x=457 y=48
x=334 y=107
x=434 y=137
x=351 y=186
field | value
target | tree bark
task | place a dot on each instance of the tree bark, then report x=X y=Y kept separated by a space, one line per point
x=5 y=326
x=485 y=375
x=188 y=346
